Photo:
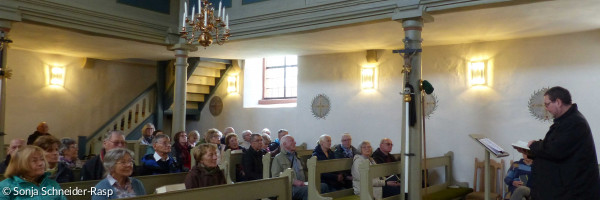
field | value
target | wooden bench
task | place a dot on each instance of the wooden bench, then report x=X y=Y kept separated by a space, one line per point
x=230 y=160
x=368 y=172
x=316 y=168
x=280 y=187
x=442 y=191
x=151 y=182
x=138 y=149
x=267 y=160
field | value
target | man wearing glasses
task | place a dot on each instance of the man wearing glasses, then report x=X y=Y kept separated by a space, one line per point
x=565 y=164
x=382 y=154
x=160 y=162
x=93 y=169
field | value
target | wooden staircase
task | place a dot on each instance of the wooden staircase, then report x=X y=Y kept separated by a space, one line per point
x=202 y=81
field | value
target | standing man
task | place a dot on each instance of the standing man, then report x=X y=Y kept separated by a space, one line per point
x=565 y=164
x=93 y=169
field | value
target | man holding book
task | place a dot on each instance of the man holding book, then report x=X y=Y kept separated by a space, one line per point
x=565 y=164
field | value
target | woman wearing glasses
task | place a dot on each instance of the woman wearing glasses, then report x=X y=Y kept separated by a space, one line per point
x=118 y=164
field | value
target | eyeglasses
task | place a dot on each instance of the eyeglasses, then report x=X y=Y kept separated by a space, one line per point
x=117 y=143
x=390 y=144
x=164 y=143
x=126 y=163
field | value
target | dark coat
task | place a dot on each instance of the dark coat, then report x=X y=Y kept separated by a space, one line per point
x=329 y=178
x=93 y=169
x=201 y=177
x=564 y=162
x=379 y=157
x=339 y=151
x=252 y=164
x=151 y=167
x=63 y=174
x=4 y=164
x=34 y=136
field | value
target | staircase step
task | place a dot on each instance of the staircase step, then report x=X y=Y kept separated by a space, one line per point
x=202 y=80
x=194 y=97
x=203 y=71
x=195 y=88
x=191 y=105
x=213 y=65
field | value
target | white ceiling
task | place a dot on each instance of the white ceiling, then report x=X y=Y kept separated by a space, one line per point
x=490 y=24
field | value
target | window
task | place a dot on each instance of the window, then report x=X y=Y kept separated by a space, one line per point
x=280 y=80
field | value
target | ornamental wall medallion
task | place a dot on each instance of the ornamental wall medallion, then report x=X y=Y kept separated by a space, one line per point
x=537 y=107
x=320 y=106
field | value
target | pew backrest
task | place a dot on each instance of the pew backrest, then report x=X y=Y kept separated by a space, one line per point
x=280 y=187
x=368 y=172
x=266 y=161
x=318 y=167
x=151 y=182
x=230 y=160
x=138 y=149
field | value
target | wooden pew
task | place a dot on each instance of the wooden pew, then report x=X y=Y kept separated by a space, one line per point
x=77 y=174
x=368 y=172
x=316 y=168
x=442 y=191
x=267 y=160
x=280 y=187
x=230 y=160
x=151 y=182
x=138 y=149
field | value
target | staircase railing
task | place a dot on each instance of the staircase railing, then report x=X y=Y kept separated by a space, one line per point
x=126 y=120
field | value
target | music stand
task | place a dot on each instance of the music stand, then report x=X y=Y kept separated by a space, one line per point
x=490 y=147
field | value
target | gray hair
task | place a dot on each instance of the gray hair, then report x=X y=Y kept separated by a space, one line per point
x=158 y=137
x=64 y=144
x=360 y=146
x=110 y=133
x=265 y=130
x=194 y=132
x=322 y=137
x=112 y=156
x=255 y=136
x=246 y=132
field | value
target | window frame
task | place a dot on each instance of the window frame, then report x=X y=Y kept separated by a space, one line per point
x=277 y=100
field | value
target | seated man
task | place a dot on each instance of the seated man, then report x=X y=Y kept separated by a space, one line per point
x=252 y=159
x=345 y=149
x=160 y=162
x=383 y=155
x=15 y=144
x=93 y=169
x=287 y=158
x=517 y=179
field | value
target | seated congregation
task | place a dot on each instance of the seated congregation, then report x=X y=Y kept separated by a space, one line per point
x=187 y=166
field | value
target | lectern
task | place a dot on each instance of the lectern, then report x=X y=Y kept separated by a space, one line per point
x=490 y=147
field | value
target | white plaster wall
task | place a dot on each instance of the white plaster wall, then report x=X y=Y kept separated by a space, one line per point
x=499 y=111
x=89 y=98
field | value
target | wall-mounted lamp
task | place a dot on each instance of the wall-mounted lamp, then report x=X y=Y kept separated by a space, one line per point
x=232 y=84
x=57 y=75
x=478 y=70
x=368 y=77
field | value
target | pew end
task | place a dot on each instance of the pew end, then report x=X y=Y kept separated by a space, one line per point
x=266 y=161
x=316 y=168
x=443 y=191
x=368 y=172
x=230 y=160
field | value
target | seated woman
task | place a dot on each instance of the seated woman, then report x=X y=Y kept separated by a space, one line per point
x=206 y=172
x=213 y=136
x=27 y=171
x=517 y=179
x=193 y=137
x=335 y=180
x=118 y=164
x=365 y=151
x=59 y=171
x=68 y=153
x=231 y=142
x=181 y=151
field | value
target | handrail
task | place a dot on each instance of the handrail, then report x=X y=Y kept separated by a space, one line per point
x=120 y=120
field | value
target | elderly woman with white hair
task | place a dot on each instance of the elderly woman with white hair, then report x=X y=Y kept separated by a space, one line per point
x=118 y=164
x=365 y=151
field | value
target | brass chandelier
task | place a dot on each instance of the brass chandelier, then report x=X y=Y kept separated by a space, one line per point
x=202 y=27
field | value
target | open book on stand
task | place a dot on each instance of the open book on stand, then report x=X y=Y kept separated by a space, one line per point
x=489 y=145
